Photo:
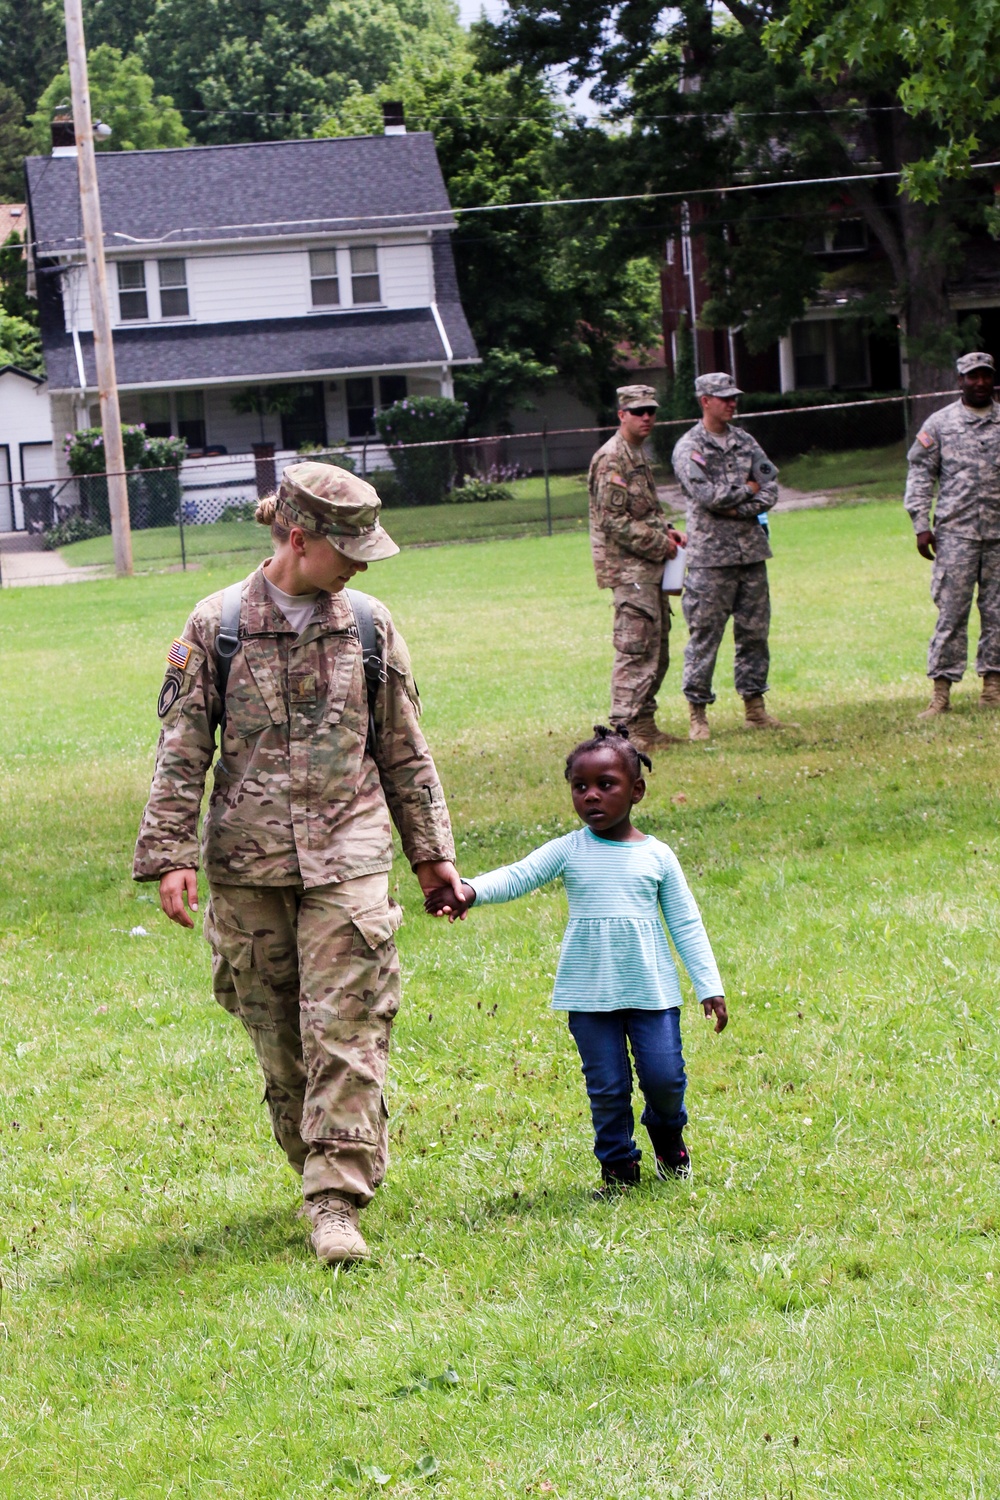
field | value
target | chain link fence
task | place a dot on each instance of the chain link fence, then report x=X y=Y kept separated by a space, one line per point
x=460 y=490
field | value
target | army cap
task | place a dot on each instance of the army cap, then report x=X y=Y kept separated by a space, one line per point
x=966 y=363
x=334 y=503
x=719 y=384
x=630 y=397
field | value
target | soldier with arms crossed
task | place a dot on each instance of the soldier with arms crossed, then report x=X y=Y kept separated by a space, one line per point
x=630 y=541
x=729 y=482
x=297 y=844
x=958 y=449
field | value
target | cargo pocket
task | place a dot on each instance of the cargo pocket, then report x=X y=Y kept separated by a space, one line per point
x=634 y=631
x=376 y=925
x=235 y=981
x=370 y=990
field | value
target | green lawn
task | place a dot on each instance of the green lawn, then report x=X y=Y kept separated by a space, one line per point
x=865 y=473
x=159 y=547
x=816 y=1315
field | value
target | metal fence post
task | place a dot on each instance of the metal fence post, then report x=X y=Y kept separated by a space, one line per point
x=545 y=466
x=180 y=520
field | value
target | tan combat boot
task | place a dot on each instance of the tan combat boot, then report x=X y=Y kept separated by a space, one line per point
x=644 y=735
x=699 y=729
x=336 y=1237
x=990 y=695
x=757 y=716
x=941 y=701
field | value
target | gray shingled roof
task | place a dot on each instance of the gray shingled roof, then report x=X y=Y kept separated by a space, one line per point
x=264 y=189
x=266 y=349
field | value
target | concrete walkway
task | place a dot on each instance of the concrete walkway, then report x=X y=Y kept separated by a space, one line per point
x=24 y=562
x=671 y=496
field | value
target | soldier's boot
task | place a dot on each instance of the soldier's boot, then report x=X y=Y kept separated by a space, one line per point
x=757 y=716
x=336 y=1237
x=990 y=695
x=941 y=700
x=699 y=729
x=645 y=735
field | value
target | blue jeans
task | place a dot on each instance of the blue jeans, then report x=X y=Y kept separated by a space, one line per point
x=655 y=1039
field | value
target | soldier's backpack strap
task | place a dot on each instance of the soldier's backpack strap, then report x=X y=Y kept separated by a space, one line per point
x=371 y=656
x=227 y=643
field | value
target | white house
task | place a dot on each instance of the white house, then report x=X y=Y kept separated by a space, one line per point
x=26 y=448
x=319 y=271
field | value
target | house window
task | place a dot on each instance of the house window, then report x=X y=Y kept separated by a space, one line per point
x=323 y=278
x=809 y=351
x=173 y=289
x=132 y=301
x=850 y=234
x=850 y=354
x=360 y=393
x=154 y=408
x=191 y=417
x=391 y=388
x=364 y=274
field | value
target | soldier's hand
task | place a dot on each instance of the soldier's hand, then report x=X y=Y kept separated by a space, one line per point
x=679 y=538
x=717 y=1007
x=926 y=544
x=174 y=887
x=753 y=486
x=433 y=873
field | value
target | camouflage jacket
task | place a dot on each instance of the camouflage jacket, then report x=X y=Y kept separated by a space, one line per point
x=957 y=448
x=295 y=794
x=713 y=472
x=628 y=529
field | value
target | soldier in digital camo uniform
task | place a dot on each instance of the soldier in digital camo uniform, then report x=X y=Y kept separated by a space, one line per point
x=630 y=541
x=297 y=842
x=729 y=482
x=958 y=450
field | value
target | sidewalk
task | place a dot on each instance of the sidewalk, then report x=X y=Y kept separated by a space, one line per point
x=671 y=497
x=24 y=562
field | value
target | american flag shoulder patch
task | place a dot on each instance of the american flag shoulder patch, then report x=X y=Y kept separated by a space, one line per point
x=697 y=458
x=180 y=654
x=924 y=439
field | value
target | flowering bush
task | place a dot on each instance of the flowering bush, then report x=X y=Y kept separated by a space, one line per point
x=480 y=491
x=85 y=449
x=425 y=474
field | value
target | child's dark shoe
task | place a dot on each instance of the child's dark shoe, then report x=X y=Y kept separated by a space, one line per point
x=673 y=1159
x=617 y=1179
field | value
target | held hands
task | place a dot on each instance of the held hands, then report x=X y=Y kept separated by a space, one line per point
x=175 y=885
x=444 y=903
x=438 y=877
x=926 y=544
x=716 y=1006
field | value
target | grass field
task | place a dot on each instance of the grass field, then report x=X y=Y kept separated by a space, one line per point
x=816 y=1315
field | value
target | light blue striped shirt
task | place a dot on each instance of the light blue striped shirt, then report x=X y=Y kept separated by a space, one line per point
x=614 y=952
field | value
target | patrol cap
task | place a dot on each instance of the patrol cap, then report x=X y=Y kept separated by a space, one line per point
x=332 y=502
x=977 y=361
x=632 y=396
x=719 y=384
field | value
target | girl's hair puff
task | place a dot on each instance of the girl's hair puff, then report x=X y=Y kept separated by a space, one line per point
x=611 y=739
x=266 y=514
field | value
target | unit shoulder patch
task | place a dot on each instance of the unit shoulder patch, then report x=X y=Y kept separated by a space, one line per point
x=168 y=693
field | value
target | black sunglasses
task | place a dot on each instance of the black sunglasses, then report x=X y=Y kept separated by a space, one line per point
x=643 y=411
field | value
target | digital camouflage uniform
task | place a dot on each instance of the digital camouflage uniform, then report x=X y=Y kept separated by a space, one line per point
x=726 y=558
x=958 y=450
x=297 y=847
x=629 y=541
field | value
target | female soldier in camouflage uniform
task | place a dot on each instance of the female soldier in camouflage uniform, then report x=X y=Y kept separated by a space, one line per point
x=297 y=842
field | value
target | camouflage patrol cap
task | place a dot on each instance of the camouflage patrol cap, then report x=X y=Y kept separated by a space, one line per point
x=336 y=504
x=718 y=384
x=632 y=396
x=966 y=363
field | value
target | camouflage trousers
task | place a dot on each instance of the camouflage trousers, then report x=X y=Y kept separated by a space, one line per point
x=641 y=639
x=962 y=564
x=314 y=977
x=711 y=595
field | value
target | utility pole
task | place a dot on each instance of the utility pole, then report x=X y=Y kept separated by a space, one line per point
x=93 y=234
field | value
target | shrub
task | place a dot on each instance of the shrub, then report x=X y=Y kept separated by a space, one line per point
x=246 y=510
x=386 y=485
x=75 y=528
x=163 y=453
x=85 y=449
x=425 y=474
x=480 y=491
x=337 y=457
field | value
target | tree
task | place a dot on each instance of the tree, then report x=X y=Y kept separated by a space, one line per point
x=247 y=70
x=32 y=46
x=704 y=98
x=20 y=344
x=121 y=95
x=13 y=145
x=539 y=291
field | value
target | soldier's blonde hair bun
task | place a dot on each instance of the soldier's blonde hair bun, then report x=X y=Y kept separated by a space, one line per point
x=266 y=510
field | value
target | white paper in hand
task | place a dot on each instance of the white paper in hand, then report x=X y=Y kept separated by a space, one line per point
x=673 y=573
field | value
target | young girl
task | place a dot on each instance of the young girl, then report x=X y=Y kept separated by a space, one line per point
x=616 y=976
